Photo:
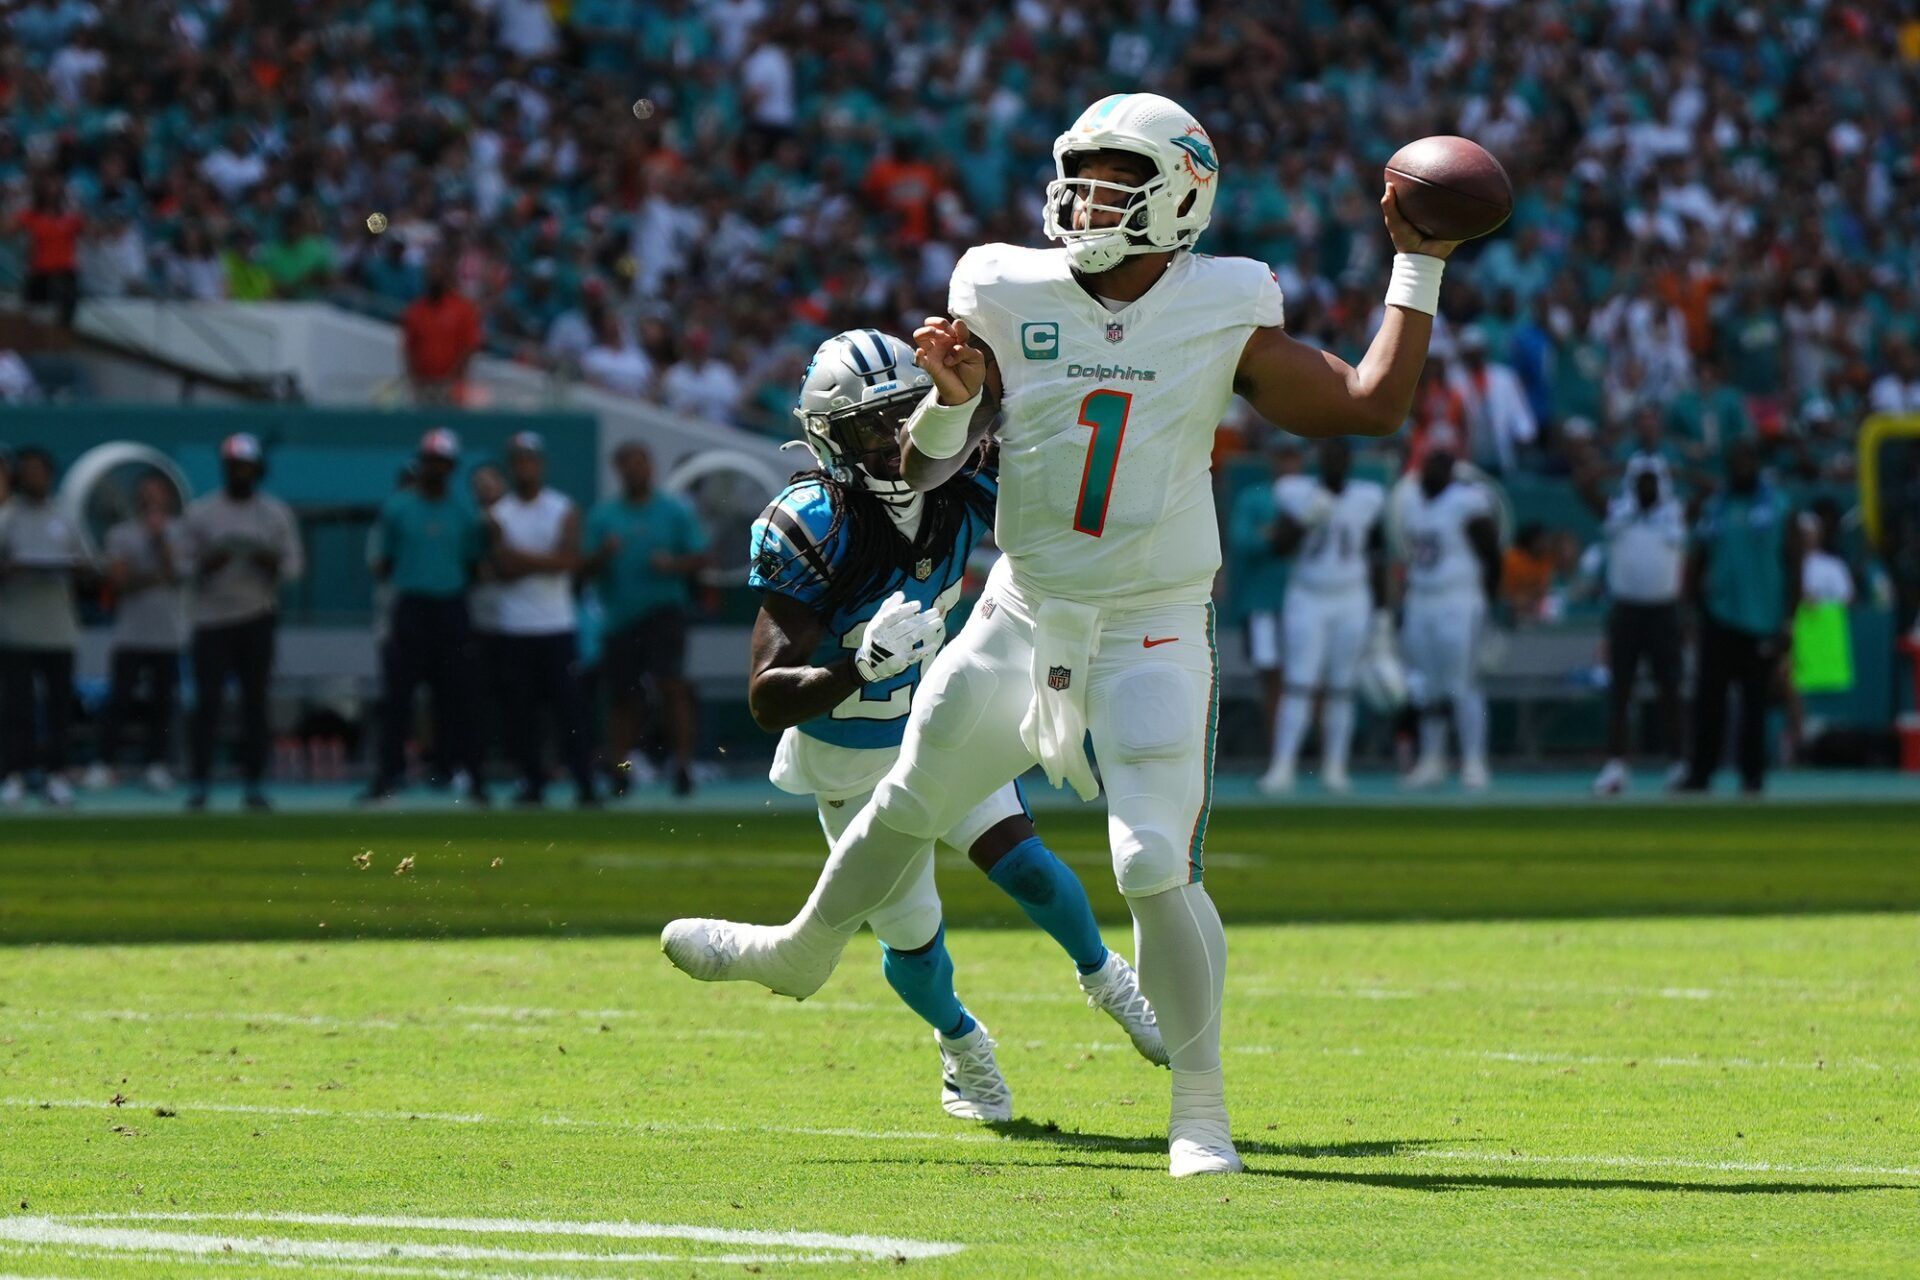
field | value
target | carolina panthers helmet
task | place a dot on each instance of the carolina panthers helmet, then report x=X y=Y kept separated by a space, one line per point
x=1168 y=212
x=859 y=391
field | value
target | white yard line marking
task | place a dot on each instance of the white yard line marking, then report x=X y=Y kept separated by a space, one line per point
x=878 y=1247
x=1649 y=1162
x=521 y=1025
x=303 y=1264
x=1588 y=1059
x=48 y=1231
x=957 y=1135
x=772 y=1246
x=145 y=1106
x=550 y=1121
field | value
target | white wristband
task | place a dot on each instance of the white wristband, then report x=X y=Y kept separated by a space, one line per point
x=940 y=430
x=1416 y=282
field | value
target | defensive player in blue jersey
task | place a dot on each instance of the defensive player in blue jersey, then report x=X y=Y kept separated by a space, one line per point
x=857 y=571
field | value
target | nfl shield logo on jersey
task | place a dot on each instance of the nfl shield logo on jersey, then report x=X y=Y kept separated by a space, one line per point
x=1058 y=678
x=1115 y=331
x=923 y=570
x=986 y=606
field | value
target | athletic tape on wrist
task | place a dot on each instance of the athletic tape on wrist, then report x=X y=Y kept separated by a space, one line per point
x=940 y=430
x=1416 y=282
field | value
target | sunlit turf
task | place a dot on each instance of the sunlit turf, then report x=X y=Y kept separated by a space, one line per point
x=1666 y=1042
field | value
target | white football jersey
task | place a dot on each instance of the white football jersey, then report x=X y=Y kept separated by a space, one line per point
x=1333 y=555
x=1106 y=441
x=1440 y=558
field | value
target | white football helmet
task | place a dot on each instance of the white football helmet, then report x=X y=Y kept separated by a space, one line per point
x=1168 y=212
x=858 y=393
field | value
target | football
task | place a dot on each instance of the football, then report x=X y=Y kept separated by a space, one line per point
x=1451 y=188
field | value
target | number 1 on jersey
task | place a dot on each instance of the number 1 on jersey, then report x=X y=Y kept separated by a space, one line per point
x=1106 y=412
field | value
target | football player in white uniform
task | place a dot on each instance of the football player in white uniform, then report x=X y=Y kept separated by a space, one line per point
x=1112 y=358
x=856 y=571
x=1452 y=549
x=1330 y=524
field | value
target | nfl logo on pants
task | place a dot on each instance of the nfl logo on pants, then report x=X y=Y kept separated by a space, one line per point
x=1058 y=678
x=1115 y=331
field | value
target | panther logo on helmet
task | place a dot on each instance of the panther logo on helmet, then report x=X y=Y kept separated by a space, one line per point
x=858 y=391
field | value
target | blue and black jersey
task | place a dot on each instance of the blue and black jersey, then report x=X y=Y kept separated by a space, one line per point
x=793 y=556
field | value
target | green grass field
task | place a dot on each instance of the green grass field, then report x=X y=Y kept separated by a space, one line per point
x=1580 y=1041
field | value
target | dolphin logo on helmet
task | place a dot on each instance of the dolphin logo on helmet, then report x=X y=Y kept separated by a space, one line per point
x=1166 y=213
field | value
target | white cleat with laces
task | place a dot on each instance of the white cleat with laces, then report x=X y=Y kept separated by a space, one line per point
x=971 y=1086
x=771 y=955
x=1114 y=988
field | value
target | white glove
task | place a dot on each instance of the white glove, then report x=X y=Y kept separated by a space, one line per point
x=899 y=635
x=1380 y=633
x=1316 y=510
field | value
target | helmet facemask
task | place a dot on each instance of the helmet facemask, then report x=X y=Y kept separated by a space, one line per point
x=864 y=440
x=1071 y=203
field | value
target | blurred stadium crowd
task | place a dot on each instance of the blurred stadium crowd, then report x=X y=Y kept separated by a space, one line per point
x=1716 y=239
x=1718 y=213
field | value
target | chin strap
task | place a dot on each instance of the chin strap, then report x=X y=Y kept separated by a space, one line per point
x=903 y=502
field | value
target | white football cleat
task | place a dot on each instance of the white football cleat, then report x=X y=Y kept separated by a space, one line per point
x=157 y=779
x=1676 y=778
x=1335 y=779
x=1428 y=771
x=1277 y=781
x=722 y=951
x=1613 y=780
x=971 y=1086
x=1114 y=988
x=59 y=791
x=98 y=777
x=1474 y=775
x=1201 y=1141
x=13 y=792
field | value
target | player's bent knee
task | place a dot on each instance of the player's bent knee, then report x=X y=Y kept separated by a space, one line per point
x=912 y=804
x=1148 y=860
x=907 y=927
x=1153 y=715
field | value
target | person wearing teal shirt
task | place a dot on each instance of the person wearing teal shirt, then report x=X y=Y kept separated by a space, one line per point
x=645 y=548
x=1711 y=414
x=429 y=540
x=1745 y=575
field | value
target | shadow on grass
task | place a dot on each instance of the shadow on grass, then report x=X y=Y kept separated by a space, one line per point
x=1024 y=1130
x=1048 y=1133
x=1429 y=1182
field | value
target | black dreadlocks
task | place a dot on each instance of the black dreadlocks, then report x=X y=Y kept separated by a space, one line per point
x=876 y=549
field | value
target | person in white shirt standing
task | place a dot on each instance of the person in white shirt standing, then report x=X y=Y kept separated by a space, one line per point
x=1330 y=524
x=1452 y=549
x=242 y=546
x=701 y=385
x=1499 y=418
x=1646 y=545
x=535 y=532
x=41 y=554
x=146 y=558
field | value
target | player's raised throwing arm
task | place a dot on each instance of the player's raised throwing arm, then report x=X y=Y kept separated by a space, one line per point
x=1311 y=392
x=945 y=430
